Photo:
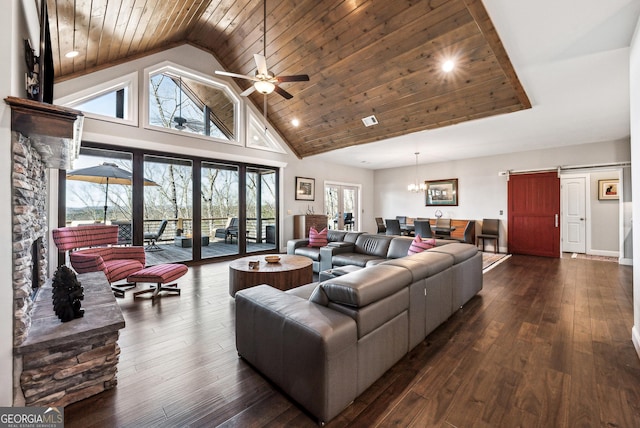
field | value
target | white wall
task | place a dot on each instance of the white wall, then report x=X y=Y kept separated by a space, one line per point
x=15 y=27
x=481 y=192
x=634 y=76
x=605 y=218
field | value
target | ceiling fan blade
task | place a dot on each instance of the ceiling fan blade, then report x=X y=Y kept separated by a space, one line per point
x=239 y=76
x=261 y=63
x=294 y=78
x=248 y=91
x=282 y=92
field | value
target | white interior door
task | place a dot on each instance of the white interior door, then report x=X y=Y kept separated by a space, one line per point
x=574 y=214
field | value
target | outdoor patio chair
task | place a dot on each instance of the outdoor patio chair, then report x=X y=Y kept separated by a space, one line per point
x=91 y=250
x=229 y=231
x=153 y=237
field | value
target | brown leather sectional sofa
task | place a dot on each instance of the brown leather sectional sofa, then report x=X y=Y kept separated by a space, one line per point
x=325 y=343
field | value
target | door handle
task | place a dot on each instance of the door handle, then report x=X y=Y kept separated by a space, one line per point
x=581 y=219
x=556 y=220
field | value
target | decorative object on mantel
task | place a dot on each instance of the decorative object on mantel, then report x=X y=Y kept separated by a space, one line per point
x=416 y=186
x=32 y=76
x=442 y=192
x=67 y=294
x=305 y=189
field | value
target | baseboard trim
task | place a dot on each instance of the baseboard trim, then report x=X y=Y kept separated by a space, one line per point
x=603 y=253
x=635 y=338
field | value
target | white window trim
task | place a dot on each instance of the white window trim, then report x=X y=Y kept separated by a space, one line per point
x=170 y=67
x=129 y=81
x=273 y=144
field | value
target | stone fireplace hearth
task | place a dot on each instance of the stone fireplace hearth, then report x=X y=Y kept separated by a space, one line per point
x=55 y=363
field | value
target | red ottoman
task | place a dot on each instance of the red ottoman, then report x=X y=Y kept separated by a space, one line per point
x=160 y=274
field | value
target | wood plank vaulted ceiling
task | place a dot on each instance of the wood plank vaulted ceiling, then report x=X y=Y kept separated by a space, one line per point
x=364 y=57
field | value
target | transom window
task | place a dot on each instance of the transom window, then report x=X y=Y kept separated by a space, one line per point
x=115 y=100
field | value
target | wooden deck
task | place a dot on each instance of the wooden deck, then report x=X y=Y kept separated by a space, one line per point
x=171 y=253
x=546 y=343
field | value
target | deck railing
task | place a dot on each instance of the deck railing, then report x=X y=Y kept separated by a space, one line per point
x=255 y=232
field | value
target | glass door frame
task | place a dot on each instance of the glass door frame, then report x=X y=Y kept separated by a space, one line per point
x=138 y=156
x=341 y=187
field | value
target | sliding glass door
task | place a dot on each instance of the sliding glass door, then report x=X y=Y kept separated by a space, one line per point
x=180 y=208
x=168 y=209
x=219 y=210
x=261 y=208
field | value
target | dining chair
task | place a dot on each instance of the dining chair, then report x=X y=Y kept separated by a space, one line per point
x=381 y=226
x=422 y=228
x=469 y=231
x=443 y=226
x=490 y=231
x=393 y=226
x=348 y=221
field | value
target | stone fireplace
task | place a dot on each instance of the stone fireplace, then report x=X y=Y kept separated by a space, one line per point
x=29 y=230
x=55 y=363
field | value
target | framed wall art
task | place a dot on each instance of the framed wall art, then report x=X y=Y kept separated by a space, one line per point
x=305 y=189
x=442 y=192
x=608 y=190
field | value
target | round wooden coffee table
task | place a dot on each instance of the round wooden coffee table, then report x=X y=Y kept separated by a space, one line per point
x=290 y=272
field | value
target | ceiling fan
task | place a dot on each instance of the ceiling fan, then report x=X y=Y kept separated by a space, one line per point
x=263 y=81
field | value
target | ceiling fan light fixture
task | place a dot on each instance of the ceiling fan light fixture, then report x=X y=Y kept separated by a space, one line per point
x=264 y=87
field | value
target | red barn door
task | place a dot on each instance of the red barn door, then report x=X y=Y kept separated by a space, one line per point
x=534 y=214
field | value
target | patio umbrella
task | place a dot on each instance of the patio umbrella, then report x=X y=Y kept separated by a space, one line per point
x=107 y=173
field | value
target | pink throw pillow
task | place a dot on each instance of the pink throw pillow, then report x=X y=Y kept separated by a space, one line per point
x=318 y=239
x=418 y=245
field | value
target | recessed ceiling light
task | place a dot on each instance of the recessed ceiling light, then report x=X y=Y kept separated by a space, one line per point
x=295 y=122
x=72 y=54
x=448 y=65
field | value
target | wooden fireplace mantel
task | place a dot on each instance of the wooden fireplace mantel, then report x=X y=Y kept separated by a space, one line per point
x=55 y=130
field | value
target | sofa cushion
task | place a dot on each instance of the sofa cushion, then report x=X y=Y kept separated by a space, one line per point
x=366 y=286
x=399 y=247
x=304 y=291
x=372 y=316
x=317 y=239
x=373 y=245
x=423 y=265
x=459 y=251
x=355 y=259
x=336 y=235
x=312 y=252
x=418 y=245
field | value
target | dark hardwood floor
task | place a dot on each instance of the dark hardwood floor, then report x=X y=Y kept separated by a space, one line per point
x=546 y=343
